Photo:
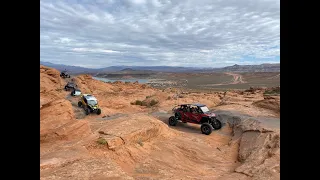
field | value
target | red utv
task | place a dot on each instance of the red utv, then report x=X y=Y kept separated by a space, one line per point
x=197 y=114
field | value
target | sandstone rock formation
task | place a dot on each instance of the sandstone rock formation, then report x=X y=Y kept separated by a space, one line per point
x=51 y=85
x=140 y=145
x=57 y=120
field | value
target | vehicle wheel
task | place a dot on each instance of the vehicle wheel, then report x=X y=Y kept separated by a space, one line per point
x=99 y=111
x=68 y=76
x=216 y=124
x=72 y=93
x=172 y=121
x=206 y=128
x=65 y=88
x=79 y=103
x=87 y=111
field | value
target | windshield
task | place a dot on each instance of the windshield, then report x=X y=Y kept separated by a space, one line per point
x=92 y=102
x=204 y=109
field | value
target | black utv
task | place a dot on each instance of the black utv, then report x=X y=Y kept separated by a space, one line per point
x=70 y=86
x=64 y=74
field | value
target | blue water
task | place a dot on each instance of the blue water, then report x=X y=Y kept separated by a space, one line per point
x=142 y=81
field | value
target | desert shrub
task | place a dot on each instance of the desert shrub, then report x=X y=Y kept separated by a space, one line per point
x=272 y=91
x=143 y=86
x=144 y=103
x=138 y=102
x=153 y=102
x=268 y=92
x=180 y=96
x=127 y=82
x=102 y=141
x=169 y=97
x=140 y=142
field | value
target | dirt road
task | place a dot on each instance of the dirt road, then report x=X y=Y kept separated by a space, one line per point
x=237 y=78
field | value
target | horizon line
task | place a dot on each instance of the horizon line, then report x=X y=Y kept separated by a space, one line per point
x=158 y=65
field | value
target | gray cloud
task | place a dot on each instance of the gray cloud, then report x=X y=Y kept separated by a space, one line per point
x=99 y=33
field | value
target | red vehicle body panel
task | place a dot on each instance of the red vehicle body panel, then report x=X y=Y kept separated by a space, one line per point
x=192 y=117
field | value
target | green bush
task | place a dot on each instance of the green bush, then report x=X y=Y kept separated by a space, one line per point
x=271 y=92
x=140 y=142
x=144 y=103
x=102 y=141
x=138 y=102
x=153 y=102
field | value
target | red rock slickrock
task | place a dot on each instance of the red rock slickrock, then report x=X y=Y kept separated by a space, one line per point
x=57 y=120
x=139 y=145
x=272 y=103
x=51 y=85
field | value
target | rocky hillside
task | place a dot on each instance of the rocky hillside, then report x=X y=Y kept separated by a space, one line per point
x=57 y=120
x=251 y=68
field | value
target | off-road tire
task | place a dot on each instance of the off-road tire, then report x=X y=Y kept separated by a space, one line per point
x=216 y=124
x=72 y=93
x=206 y=128
x=98 y=111
x=172 y=121
x=79 y=103
x=87 y=111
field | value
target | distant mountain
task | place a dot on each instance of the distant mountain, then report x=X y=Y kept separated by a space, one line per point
x=70 y=69
x=127 y=69
x=253 y=68
x=150 y=69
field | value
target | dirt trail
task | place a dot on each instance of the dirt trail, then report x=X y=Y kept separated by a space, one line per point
x=237 y=79
x=275 y=77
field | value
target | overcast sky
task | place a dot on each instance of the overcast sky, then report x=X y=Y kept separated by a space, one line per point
x=198 y=33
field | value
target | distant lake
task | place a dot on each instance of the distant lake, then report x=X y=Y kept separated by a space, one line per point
x=142 y=81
